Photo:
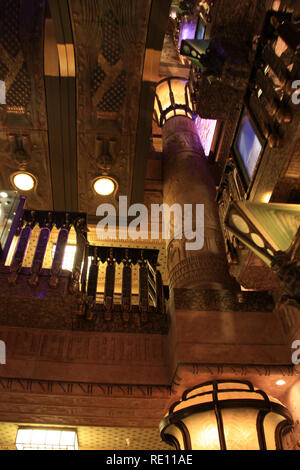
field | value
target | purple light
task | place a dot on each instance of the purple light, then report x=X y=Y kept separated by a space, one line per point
x=206 y=129
x=187 y=31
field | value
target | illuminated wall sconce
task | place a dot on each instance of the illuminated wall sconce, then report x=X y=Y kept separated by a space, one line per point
x=23 y=181
x=104 y=186
x=226 y=415
x=172 y=98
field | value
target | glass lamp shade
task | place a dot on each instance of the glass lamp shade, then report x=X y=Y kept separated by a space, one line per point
x=223 y=415
x=264 y=228
x=104 y=186
x=23 y=181
x=46 y=439
x=172 y=98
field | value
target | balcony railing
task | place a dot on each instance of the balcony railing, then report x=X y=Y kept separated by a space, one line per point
x=117 y=295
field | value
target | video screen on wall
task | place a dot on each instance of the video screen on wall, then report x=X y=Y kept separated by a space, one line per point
x=248 y=146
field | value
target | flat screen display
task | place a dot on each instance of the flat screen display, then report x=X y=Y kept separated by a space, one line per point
x=248 y=145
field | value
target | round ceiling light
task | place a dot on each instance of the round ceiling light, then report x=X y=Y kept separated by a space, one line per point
x=23 y=181
x=280 y=382
x=104 y=186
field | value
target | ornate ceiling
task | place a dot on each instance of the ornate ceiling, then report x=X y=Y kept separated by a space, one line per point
x=79 y=95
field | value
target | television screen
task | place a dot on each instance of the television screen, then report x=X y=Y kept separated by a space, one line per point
x=248 y=145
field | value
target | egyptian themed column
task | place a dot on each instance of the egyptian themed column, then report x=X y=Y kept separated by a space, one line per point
x=188 y=179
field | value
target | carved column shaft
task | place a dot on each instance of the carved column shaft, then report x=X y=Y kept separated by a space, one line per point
x=188 y=180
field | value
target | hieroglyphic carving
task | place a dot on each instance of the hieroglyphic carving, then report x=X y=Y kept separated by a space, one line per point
x=87 y=348
x=83 y=389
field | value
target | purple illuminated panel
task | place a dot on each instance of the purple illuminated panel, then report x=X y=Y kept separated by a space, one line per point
x=206 y=129
x=248 y=145
x=187 y=31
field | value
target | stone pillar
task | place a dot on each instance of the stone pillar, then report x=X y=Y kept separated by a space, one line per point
x=188 y=180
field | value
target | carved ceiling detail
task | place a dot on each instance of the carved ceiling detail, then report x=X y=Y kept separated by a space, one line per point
x=23 y=120
x=110 y=41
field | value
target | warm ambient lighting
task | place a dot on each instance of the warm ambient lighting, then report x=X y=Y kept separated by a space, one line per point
x=172 y=98
x=69 y=255
x=104 y=186
x=280 y=382
x=226 y=415
x=23 y=181
x=46 y=439
x=266 y=197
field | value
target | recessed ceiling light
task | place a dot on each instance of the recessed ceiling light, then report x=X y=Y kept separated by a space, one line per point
x=104 y=186
x=280 y=382
x=23 y=181
x=3 y=194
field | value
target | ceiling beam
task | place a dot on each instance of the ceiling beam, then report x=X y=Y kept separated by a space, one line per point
x=159 y=15
x=60 y=88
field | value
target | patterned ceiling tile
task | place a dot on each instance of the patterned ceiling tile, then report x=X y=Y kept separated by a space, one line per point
x=113 y=99
x=10 y=17
x=110 y=47
x=97 y=78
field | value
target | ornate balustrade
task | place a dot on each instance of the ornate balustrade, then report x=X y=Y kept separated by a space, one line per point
x=150 y=295
x=117 y=299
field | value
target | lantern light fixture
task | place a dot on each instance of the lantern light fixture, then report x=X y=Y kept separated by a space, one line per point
x=226 y=415
x=104 y=186
x=172 y=98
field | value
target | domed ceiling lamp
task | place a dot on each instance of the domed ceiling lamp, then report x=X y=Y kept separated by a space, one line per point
x=23 y=181
x=172 y=98
x=226 y=415
x=104 y=186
